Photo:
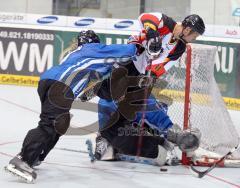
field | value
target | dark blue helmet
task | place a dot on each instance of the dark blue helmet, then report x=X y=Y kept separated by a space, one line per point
x=88 y=36
x=195 y=22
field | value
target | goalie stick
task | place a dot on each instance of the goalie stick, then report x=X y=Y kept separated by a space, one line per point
x=201 y=174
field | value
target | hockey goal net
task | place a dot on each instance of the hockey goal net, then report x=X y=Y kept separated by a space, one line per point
x=197 y=102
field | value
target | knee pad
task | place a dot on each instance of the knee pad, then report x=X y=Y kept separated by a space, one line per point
x=61 y=123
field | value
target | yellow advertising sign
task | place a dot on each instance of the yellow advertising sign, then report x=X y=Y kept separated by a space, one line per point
x=19 y=80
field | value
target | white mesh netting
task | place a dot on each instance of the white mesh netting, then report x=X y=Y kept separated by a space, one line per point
x=207 y=109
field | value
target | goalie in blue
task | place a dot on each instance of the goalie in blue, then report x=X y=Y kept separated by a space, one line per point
x=150 y=135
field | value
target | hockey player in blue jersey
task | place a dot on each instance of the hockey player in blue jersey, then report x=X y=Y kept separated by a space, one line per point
x=78 y=75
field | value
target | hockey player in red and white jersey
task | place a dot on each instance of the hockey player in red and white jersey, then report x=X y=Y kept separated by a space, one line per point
x=163 y=41
x=165 y=38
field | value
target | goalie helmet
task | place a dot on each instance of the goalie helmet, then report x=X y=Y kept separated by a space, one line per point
x=88 y=36
x=195 y=22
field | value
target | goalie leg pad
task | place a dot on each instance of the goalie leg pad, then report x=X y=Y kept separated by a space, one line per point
x=162 y=156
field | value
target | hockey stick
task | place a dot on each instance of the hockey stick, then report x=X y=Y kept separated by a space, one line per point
x=151 y=57
x=89 y=148
x=71 y=150
x=136 y=159
x=201 y=174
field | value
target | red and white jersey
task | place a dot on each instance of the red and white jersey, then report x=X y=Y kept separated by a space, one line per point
x=172 y=48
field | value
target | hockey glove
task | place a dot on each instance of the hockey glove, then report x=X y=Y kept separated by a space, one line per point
x=154 y=43
x=187 y=140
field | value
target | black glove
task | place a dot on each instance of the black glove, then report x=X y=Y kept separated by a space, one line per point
x=154 y=42
x=115 y=87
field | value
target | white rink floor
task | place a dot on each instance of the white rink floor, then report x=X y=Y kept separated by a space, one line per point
x=19 y=107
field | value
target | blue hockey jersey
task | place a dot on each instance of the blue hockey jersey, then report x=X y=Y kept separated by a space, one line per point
x=87 y=62
x=157 y=119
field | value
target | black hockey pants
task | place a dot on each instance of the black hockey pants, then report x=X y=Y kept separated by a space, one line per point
x=56 y=100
